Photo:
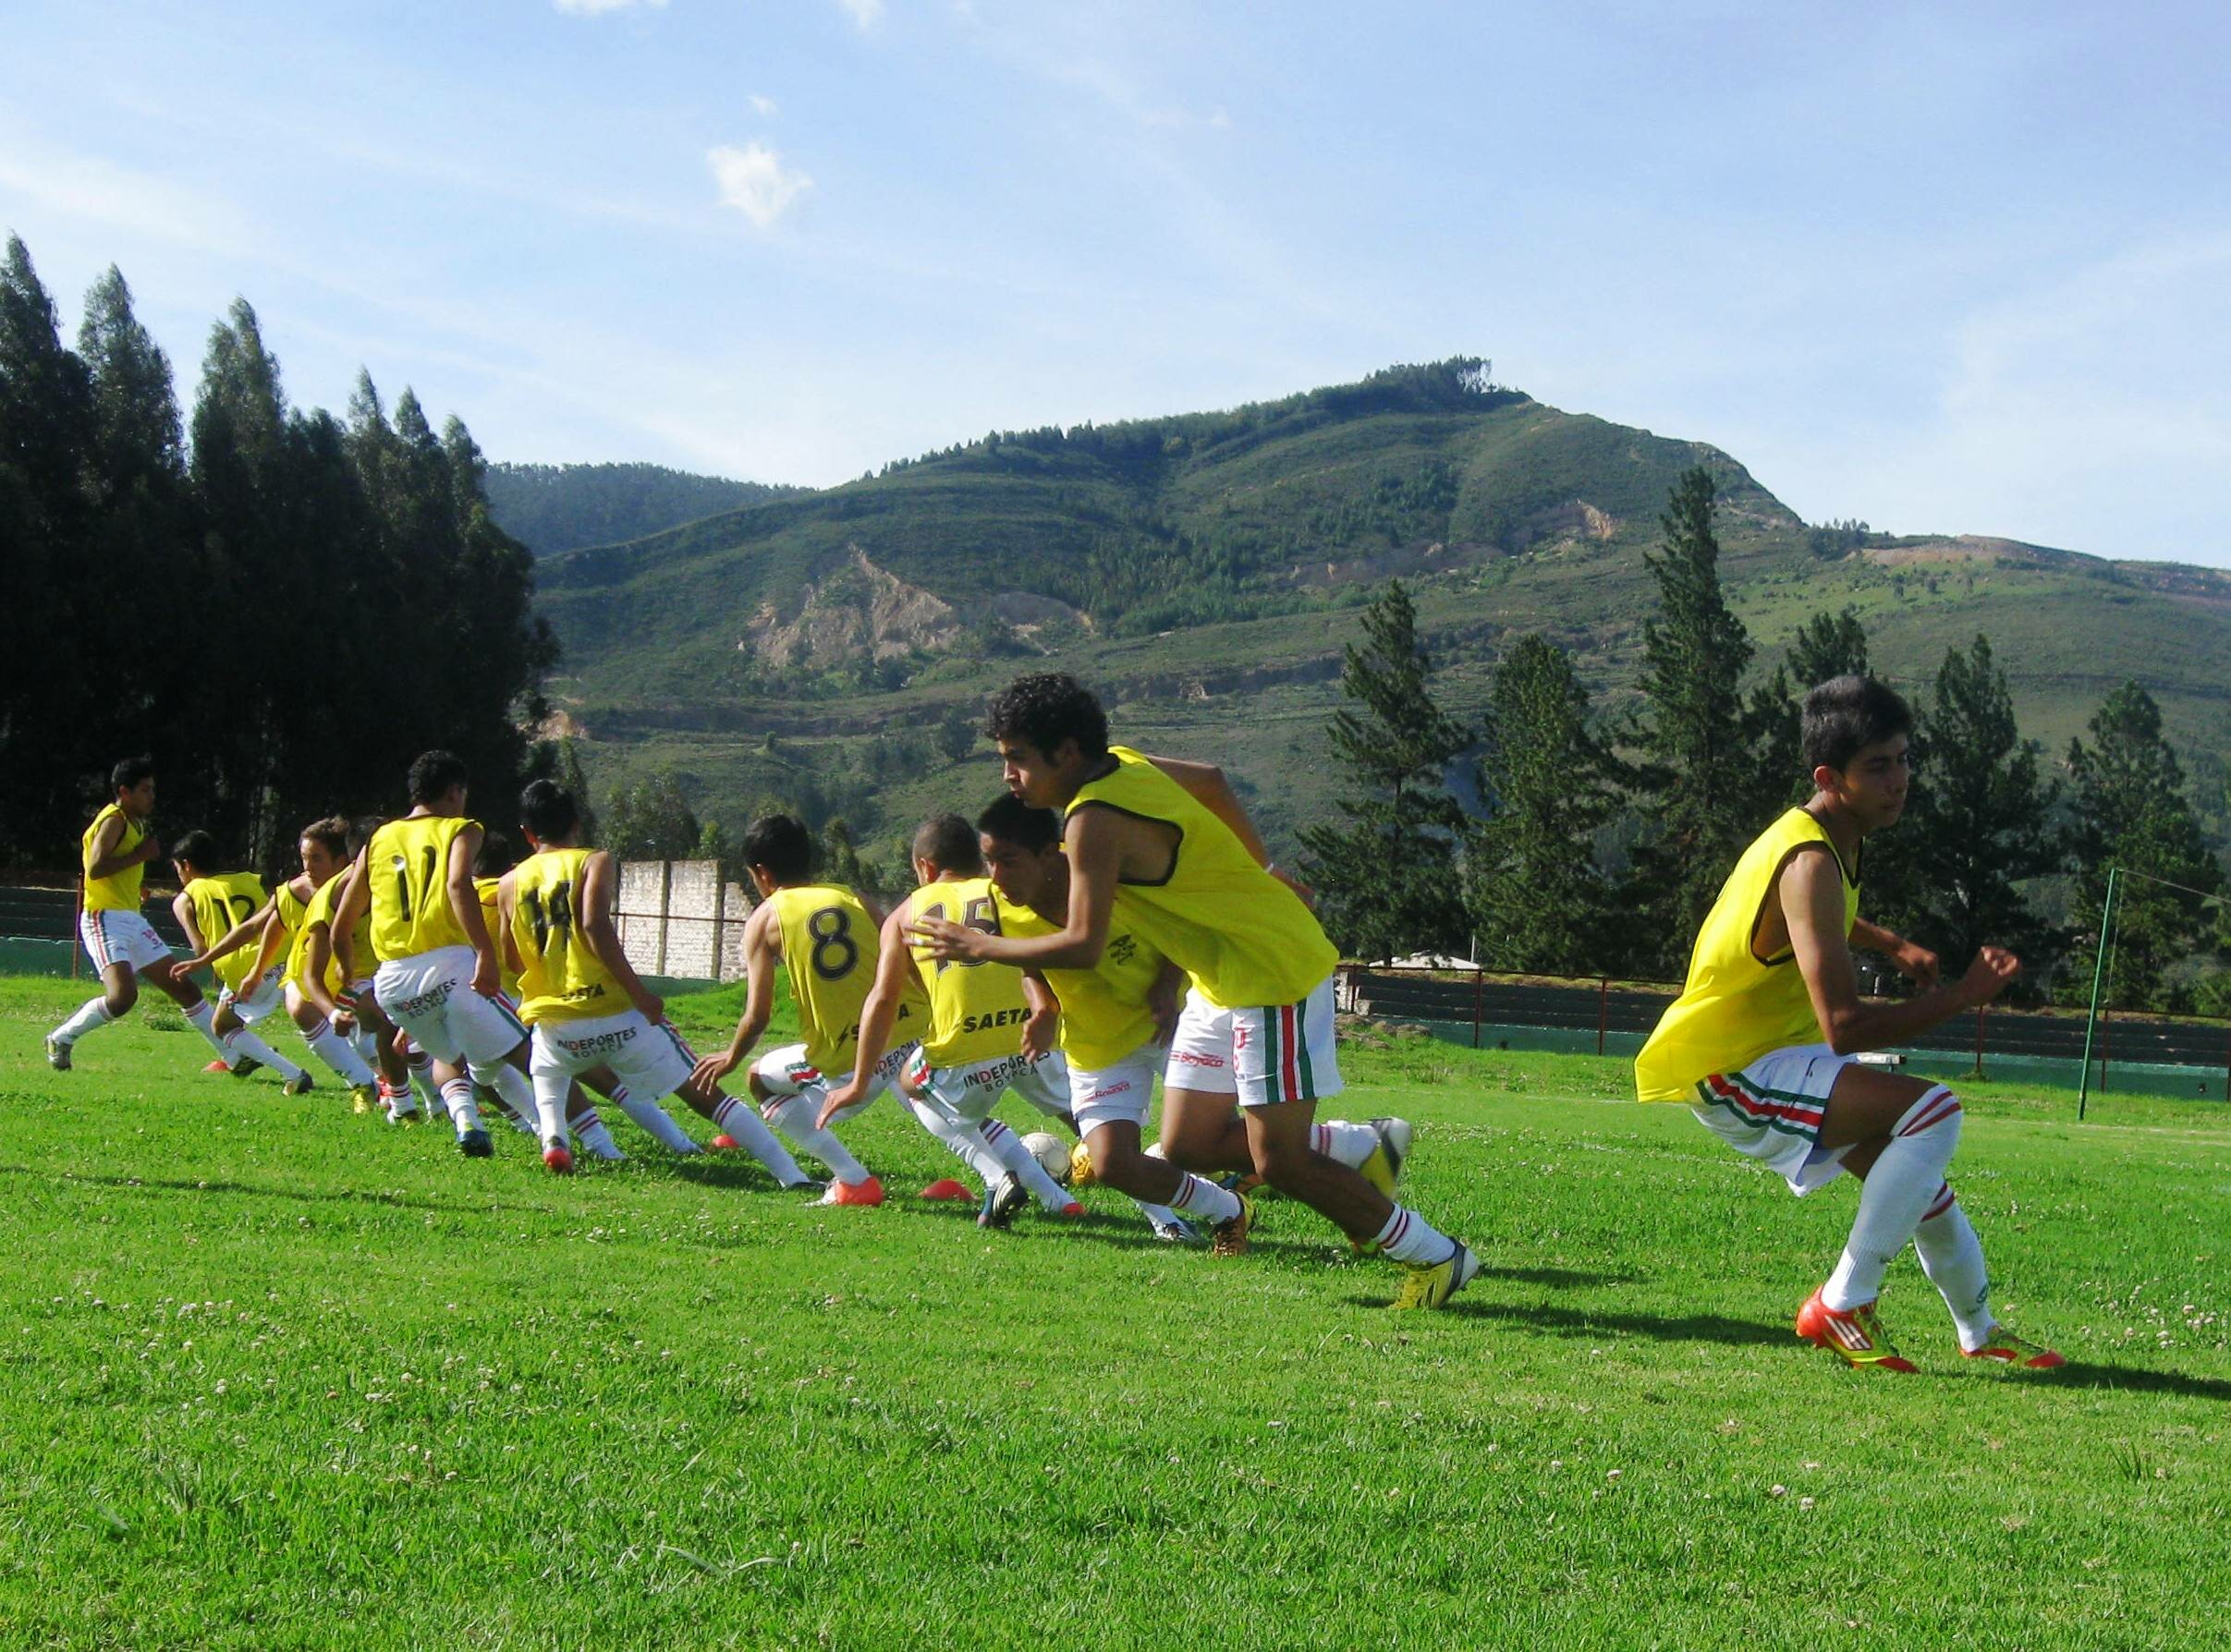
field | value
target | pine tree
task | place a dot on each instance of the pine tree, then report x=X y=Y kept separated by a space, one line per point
x=2131 y=812
x=651 y=820
x=1388 y=879
x=1978 y=823
x=1538 y=900
x=1827 y=646
x=1699 y=776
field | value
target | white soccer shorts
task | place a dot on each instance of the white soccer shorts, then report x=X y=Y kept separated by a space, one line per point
x=1122 y=1093
x=1282 y=1052
x=972 y=1089
x=1771 y=1111
x=431 y=998
x=120 y=937
x=651 y=1060
x=261 y=996
x=784 y=1072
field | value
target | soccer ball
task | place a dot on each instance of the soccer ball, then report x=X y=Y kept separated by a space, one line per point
x=1052 y=1153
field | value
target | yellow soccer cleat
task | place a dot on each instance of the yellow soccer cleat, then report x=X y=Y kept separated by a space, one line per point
x=363 y=1099
x=1229 y=1238
x=2018 y=1351
x=1082 y=1174
x=1383 y=1170
x=1429 y=1285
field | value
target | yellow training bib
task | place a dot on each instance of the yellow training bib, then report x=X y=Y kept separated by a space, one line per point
x=319 y=915
x=976 y=1010
x=407 y=862
x=119 y=891
x=292 y=909
x=1103 y=1009
x=560 y=979
x=1245 y=938
x=219 y=904
x=831 y=949
x=1734 y=1008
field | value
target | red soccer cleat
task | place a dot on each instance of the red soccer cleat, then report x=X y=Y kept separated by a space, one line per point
x=2018 y=1351
x=1857 y=1336
x=870 y=1191
x=724 y=1143
x=558 y=1159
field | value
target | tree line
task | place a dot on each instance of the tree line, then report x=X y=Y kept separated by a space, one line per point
x=283 y=606
x=1598 y=842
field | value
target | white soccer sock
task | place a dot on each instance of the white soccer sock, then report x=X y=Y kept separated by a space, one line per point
x=552 y=1090
x=1952 y=1258
x=332 y=1049
x=202 y=1019
x=1022 y=1164
x=963 y=1141
x=464 y=1112
x=650 y=1117
x=91 y=1013
x=1205 y=1199
x=515 y=1088
x=1899 y=1190
x=1408 y=1237
x=595 y=1137
x=740 y=1122
x=1351 y=1143
x=241 y=1041
x=365 y=1045
x=420 y=1065
x=794 y=1118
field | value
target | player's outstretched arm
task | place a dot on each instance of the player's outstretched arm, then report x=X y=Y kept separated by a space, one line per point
x=465 y=906
x=257 y=923
x=878 y=1015
x=272 y=942
x=599 y=934
x=1093 y=840
x=1916 y=964
x=1812 y=906
x=349 y=911
x=759 y=959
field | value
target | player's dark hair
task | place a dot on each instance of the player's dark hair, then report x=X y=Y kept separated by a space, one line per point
x=1846 y=714
x=331 y=833
x=948 y=842
x=1011 y=821
x=496 y=856
x=360 y=833
x=1046 y=707
x=131 y=772
x=195 y=849
x=782 y=844
x=433 y=773
x=548 y=811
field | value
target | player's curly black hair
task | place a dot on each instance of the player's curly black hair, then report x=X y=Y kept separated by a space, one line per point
x=1046 y=707
x=549 y=810
x=1008 y=819
x=330 y=832
x=433 y=773
x=131 y=772
x=1848 y=713
x=195 y=849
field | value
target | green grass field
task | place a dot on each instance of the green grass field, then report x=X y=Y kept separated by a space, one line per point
x=278 y=1376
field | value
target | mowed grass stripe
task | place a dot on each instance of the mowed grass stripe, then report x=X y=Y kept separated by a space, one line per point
x=280 y=1375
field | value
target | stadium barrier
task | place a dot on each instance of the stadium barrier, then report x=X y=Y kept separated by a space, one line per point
x=2151 y=1055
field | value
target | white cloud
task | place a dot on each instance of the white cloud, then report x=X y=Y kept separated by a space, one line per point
x=865 y=14
x=764 y=107
x=755 y=182
x=597 y=8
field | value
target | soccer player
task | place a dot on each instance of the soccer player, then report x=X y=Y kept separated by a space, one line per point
x=1166 y=843
x=209 y=904
x=590 y=1011
x=1760 y=1042
x=123 y=945
x=318 y=993
x=825 y=940
x=970 y=1049
x=438 y=978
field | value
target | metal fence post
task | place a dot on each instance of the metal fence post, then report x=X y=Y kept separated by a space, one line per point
x=1603 y=1011
x=1479 y=995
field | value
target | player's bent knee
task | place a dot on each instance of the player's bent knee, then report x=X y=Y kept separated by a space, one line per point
x=1937 y=1114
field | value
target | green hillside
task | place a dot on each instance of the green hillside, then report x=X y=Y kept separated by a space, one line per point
x=1200 y=569
x=550 y=509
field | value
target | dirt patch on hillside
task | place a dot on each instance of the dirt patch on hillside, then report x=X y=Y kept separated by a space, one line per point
x=854 y=609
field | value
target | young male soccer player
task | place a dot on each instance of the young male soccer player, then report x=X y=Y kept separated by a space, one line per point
x=825 y=940
x=970 y=1051
x=590 y=1011
x=1166 y=843
x=318 y=993
x=438 y=978
x=209 y=902
x=1762 y=1040
x=123 y=945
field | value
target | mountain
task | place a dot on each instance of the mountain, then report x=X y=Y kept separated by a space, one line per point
x=830 y=649
x=559 y=508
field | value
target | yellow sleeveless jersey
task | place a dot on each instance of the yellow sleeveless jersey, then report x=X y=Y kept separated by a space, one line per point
x=1245 y=938
x=319 y=914
x=560 y=979
x=1104 y=1009
x=408 y=861
x=491 y=919
x=831 y=949
x=976 y=1010
x=1732 y=1008
x=219 y=904
x=292 y=909
x=119 y=891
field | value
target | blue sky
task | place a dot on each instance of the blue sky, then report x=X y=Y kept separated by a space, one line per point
x=1963 y=268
